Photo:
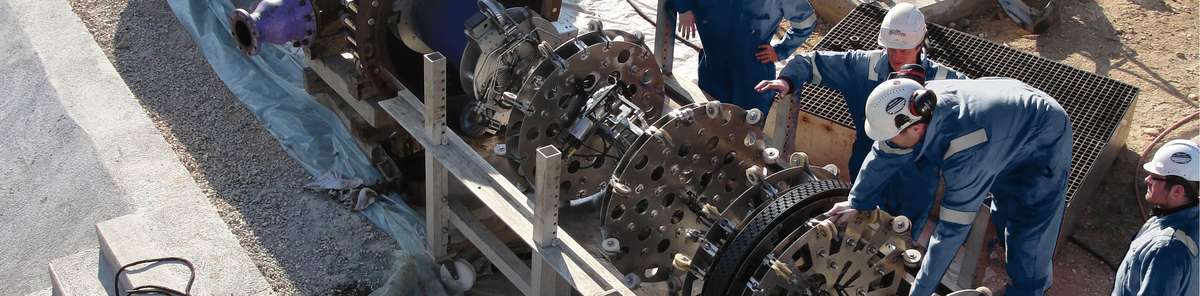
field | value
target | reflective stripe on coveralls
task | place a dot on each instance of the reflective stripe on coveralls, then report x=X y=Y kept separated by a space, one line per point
x=1023 y=159
x=1162 y=258
x=855 y=74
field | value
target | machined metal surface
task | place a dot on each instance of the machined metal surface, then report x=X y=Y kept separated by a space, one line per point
x=867 y=257
x=687 y=169
x=503 y=48
x=558 y=89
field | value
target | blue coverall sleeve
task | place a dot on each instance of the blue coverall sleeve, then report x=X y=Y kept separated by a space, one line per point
x=968 y=180
x=826 y=68
x=682 y=6
x=1166 y=269
x=880 y=165
x=802 y=19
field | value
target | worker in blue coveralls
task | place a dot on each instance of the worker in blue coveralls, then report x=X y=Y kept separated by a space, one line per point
x=737 y=43
x=993 y=135
x=856 y=73
x=1162 y=257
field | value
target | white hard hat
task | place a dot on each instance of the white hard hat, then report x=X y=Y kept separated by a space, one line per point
x=887 y=108
x=902 y=28
x=1176 y=158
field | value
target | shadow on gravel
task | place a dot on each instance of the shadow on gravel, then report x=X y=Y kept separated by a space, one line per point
x=304 y=242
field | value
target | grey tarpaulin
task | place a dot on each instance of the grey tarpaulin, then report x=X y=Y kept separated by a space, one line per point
x=271 y=86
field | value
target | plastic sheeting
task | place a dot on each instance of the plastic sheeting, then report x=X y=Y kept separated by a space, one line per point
x=271 y=85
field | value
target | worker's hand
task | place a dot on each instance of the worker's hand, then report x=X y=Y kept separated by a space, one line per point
x=778 y=85
x=841 y=213
x=766 y=54
x=687 y=25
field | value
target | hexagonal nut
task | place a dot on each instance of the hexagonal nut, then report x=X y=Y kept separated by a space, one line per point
x=712 y=109
x=611 y=245
x=771 y=155
x=912 y=258
x=798 y=159
x=753 y=116
x=901 y=224
x=682 y=262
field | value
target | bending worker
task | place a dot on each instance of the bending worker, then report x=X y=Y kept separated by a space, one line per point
x=855 y=74
x=993 y=135
x=737 y=38
x=1162 y=257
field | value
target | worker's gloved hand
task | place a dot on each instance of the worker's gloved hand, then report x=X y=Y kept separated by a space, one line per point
x=778 y=85
x=766 y=54
x=841 y=213
x=687 y=25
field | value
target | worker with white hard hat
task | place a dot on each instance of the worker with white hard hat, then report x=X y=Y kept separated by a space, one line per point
x=1162 y=259
x=854 y=74
x=994 y=135
x=737 y=43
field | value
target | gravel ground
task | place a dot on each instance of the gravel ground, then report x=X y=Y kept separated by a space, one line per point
x=305 y=243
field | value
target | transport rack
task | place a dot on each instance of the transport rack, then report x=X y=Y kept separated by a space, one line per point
x=559 y=261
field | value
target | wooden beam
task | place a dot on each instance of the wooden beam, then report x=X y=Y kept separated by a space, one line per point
x=580 y=269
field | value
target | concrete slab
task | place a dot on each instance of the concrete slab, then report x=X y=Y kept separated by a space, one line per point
x=86 y=151
x=42 y=292
x=936 y=11
x=54 y=183
x=80 y=274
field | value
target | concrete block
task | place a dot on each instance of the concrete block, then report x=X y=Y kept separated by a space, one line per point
x=124 y=240
x=180 y=230
x=79 y=274
x=936 y=11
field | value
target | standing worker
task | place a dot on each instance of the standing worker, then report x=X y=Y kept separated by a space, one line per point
x=855 y=74
x=993 y=135
x=737 y=43
x=1162 y=257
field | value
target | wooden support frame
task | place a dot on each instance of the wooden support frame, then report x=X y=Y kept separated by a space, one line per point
x=454 y=157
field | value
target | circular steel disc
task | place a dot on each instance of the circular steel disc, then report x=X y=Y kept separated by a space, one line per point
x=558 y=88
x=689 y=160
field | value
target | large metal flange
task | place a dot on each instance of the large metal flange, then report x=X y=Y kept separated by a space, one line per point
x=690 y=167
x=864 y=259
x=558 y=88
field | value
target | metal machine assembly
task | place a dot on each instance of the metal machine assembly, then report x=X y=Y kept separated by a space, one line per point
x=689 y=195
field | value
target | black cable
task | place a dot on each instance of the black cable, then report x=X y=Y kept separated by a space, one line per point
x=652 y=23
x=155 y=289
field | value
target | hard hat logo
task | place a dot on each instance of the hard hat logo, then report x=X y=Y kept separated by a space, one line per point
x=895 y=105
x=1181 y=158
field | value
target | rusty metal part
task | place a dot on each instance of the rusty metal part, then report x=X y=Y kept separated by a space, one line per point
x=558 y=89
x=683 y=173
x=365 y=21
x=866 y=258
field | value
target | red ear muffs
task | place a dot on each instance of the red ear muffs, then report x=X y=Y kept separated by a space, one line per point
x=921 y=103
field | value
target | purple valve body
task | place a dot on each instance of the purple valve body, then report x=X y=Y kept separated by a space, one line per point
x=273 y=21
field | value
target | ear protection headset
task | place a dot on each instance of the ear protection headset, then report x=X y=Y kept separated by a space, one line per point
x=922 y=102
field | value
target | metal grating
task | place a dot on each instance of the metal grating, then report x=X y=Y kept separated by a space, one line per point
x=1095 y=104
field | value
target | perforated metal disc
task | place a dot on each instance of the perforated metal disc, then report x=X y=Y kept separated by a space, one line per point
x=691 y=159
x=557 y=89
